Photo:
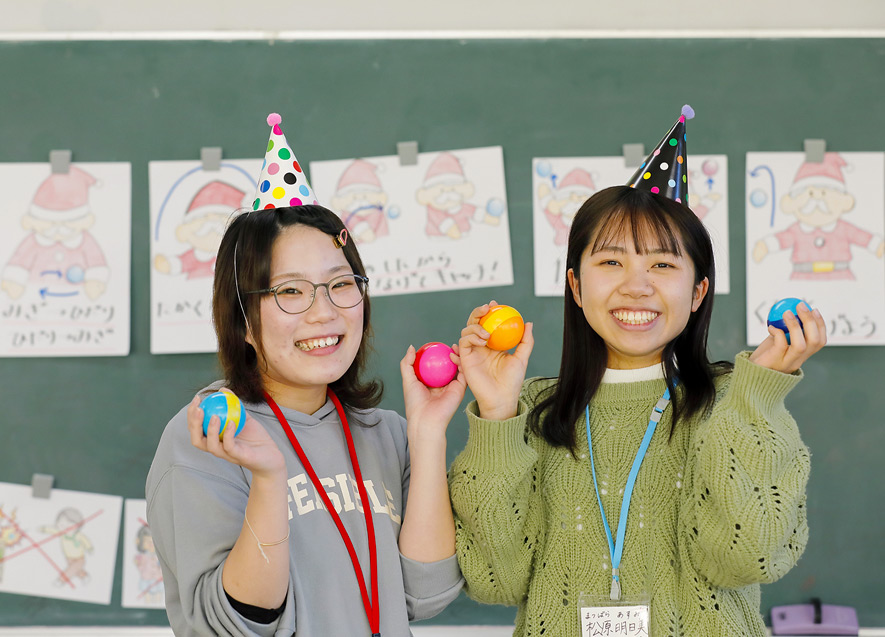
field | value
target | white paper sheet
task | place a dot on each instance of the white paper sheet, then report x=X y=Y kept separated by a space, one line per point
x=190 y=208
x=65 y=258
x=64 y=546
x=815 y=232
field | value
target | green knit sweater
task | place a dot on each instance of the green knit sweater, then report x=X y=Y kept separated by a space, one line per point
x=716 y=510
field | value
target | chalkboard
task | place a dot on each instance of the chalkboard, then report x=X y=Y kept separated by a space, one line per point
x=94 y=422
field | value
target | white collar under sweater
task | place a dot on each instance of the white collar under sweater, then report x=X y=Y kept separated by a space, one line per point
x=633 y=375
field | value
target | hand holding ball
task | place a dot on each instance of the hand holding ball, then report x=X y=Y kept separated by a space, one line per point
x=434 y=366
x=505 y=326
x=776 y=314
x=227 y=407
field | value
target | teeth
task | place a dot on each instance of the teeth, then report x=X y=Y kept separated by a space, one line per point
x=314 y=343
x=635 y=318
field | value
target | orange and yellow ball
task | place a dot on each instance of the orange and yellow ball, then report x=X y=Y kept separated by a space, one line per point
x=505 y=326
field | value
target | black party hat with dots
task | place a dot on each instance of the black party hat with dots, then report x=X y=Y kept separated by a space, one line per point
x=665 y=170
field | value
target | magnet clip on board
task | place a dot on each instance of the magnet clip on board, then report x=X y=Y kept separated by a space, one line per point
x=41 y=485
x=408 y=153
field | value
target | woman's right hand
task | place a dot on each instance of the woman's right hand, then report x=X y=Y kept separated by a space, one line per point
x=252 y=448
x=494 y=377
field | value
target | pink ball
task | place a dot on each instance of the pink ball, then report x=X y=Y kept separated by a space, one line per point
x=433 y=366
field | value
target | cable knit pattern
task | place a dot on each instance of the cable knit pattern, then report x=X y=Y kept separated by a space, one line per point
x=716 y=511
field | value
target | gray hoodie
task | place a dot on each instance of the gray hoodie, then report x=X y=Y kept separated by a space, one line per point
x=195 y=507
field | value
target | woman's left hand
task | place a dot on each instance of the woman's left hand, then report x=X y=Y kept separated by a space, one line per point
x=775 y=353
x=429 y=409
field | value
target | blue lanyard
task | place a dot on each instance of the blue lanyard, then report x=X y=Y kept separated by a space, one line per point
x=616 y=548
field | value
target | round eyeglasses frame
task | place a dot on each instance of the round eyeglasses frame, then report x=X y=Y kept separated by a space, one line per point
x=364 y=288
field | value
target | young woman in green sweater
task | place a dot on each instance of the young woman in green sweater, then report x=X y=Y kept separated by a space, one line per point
x=543 y=489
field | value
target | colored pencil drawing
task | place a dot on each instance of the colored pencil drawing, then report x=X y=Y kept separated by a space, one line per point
x=200 y=230
x=815 y=232
x=439 y=224
x=65 y=260
x=10 y=535
x=362 y=202
x=142 y=577
x=560 y=200
x=63 y=546
x=75 y=546
x=59 y=256
x=820 y=240
x=190 y=208
x=445 y=193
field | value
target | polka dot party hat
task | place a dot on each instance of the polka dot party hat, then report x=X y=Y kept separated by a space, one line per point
x=282 y=182
x=665 y=170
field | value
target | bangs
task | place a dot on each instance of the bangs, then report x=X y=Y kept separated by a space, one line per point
x=646 y=226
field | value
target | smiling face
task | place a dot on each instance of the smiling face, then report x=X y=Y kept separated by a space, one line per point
x=636 y=301
x=301 y=354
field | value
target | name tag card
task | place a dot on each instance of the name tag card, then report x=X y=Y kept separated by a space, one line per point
x=614 y=621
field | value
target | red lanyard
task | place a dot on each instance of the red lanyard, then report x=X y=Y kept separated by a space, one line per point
x=372 y=610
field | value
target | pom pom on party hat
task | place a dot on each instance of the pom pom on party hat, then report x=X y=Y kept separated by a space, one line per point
x=665 y=170
x=282 y=182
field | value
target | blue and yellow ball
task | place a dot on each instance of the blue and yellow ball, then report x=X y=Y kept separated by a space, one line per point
x=227 y=407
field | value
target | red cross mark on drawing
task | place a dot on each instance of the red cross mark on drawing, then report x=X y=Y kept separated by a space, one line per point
x=37 y=546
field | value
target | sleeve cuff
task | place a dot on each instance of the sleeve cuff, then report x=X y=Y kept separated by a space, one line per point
x=497 y=441
x=759 y=388
x=424 y=580
x=248 y=626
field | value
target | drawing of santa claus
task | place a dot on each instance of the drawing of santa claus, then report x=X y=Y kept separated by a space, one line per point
x=359 y=200
x=561 y=203
x=820 y=240
x=202 y=228
x=444 y=193
x=59 y=255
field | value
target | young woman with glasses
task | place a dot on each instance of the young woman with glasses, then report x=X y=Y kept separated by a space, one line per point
x=324 y=515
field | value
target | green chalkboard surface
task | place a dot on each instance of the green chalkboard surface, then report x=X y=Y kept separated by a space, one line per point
x=94 y=422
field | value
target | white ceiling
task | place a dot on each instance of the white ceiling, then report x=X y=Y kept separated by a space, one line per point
x=20 y=19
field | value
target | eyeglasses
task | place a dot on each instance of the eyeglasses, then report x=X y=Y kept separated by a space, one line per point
x=297 y=296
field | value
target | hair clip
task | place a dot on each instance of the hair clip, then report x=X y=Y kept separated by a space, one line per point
x=341 y=240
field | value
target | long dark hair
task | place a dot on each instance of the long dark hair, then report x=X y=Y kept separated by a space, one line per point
x=244 y=259
x=653 y=222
